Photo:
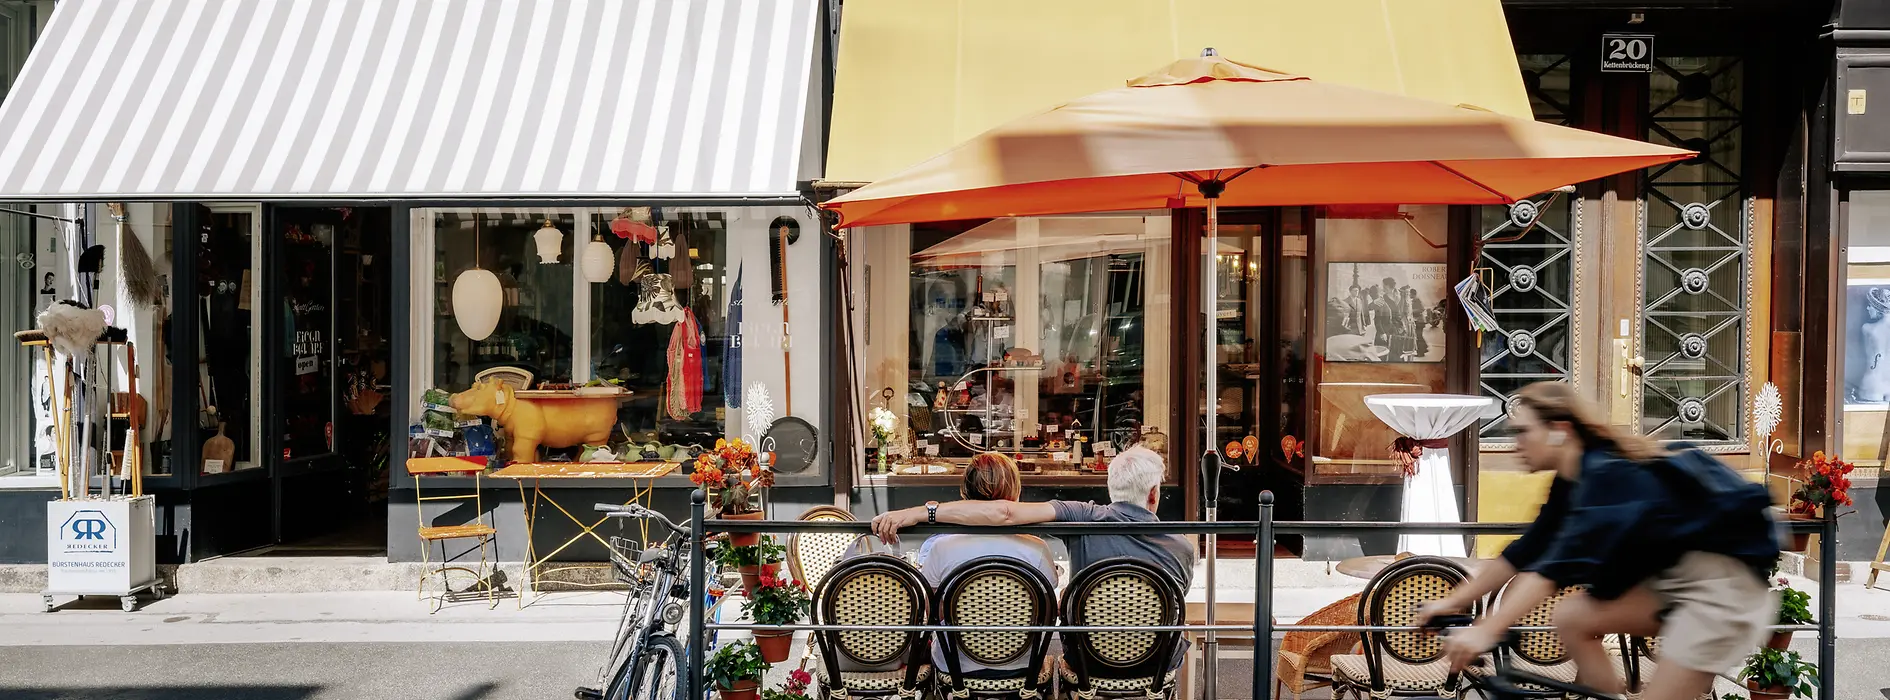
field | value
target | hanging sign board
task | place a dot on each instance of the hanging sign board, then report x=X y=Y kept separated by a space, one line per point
x=1627 y=53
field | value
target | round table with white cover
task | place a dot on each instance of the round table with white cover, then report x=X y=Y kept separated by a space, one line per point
x=1430 y=496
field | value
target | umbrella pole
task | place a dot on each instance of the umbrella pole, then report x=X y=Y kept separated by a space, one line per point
x=1210 y=458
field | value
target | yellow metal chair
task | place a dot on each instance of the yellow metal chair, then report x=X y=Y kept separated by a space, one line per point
x=478 y=529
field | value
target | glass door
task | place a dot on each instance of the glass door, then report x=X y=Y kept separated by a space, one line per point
x=229 y=244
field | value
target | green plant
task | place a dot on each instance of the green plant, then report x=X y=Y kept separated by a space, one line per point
x=766 y=552
x=735 y=662
x=1774 y=668
x=1794 y=606
x=778 y=601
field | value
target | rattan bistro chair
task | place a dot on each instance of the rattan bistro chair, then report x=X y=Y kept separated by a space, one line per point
x=1538 y=653
x=1305 y=658
x=996 y=591
x=1121 y=592
x=810 y=555
x=872 y=590
x=1400 y=663
x=477 y=529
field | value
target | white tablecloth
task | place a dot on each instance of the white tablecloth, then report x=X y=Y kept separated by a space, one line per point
x=1430 y=496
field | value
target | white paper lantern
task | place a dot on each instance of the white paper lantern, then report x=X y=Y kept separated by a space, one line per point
x=549 y=240
x=599 y=261
x=477 y=298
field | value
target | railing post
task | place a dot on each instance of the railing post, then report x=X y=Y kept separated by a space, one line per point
x=1263 y=601
x=698 y=592
x=1827 y=605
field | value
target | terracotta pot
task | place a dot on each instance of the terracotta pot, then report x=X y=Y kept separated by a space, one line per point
x=1800 y=541
x=1780 y=641
x=774 y=645
x=743 y=690
x=1771 y=693
x=751 y=577
x=744 y=539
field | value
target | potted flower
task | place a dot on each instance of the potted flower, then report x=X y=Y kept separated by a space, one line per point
x=1827 y=484
x=753 y=561
x=795 y=688
x=736 y=669
x=1794 y=608
x=1779 y=674
x=732 y=471
x=882 y=422
x=777 y=601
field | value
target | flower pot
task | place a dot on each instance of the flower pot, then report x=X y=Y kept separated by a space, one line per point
x=774 y=644
x=1800 y=541
x=751 y=577
x=1780 y=641
x=743 y=690
x=744 y=539
x=1768 y=693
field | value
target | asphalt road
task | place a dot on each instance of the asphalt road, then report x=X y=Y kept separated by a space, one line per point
x=299 y=671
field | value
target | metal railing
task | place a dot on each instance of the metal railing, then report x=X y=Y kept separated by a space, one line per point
x=1264 y=530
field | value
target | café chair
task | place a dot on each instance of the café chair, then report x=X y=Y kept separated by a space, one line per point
x=1538 y=653
x=872 y=590
x=1305 y=659
x=996 y=591
x=1400 y=664
x=810 y=555
x=1637 y=662
x=1121 y=592
x=478 y=529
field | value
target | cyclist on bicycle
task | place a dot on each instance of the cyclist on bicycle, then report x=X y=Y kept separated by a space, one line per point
x=1670 y=545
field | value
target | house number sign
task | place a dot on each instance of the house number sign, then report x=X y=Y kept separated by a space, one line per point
x=1627 y=53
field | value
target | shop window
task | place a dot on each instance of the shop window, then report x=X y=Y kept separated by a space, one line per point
x=534 y=331
x=227 y=298
x=1044 y=338
x=21 y=280
x=1527 y=260
x=1866 y=354
x=1694 y=273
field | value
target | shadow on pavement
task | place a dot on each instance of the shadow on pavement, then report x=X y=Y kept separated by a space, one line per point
x=200 y=692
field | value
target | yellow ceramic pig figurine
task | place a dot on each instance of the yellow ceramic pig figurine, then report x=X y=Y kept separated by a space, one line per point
x=560 y=422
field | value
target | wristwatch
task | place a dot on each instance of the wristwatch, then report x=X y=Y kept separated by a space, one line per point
x=931 y=512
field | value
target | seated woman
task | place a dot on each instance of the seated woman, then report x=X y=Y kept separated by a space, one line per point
x=989 y=477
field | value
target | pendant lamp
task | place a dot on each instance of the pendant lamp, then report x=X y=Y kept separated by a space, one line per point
x=477 y=296
x=597 y=261
x=549 y=240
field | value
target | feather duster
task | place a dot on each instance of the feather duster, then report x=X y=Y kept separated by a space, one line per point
x=72 y=328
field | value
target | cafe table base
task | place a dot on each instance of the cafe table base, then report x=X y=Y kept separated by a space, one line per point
x=641 y=475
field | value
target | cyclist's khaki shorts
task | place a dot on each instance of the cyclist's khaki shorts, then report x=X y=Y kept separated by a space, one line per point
x=1717 y=612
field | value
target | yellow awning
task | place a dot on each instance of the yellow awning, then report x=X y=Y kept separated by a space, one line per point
x=916 y=78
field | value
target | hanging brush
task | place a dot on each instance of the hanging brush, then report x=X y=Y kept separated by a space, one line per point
x=782 y=232
x=141 y=277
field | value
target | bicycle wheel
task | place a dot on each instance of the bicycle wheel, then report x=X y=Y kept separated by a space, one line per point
x=652 y=675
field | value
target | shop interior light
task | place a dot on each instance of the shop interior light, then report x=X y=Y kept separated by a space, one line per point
x=550 y=240
x=598 y=262
x=477 y=297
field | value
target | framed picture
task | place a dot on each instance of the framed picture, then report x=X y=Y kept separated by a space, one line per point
x=1385 y=312
x=1867 y=341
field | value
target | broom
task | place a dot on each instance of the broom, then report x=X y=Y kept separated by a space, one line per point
x=141 y=277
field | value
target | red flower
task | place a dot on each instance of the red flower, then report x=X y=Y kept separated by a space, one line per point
x=767 y=581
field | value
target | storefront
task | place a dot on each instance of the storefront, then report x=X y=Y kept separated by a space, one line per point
x=311 y=179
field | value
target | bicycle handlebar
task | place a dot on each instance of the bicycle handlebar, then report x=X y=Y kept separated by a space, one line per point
x=632 y=510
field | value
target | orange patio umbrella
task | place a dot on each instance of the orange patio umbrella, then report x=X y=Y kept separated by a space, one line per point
x=1206 y=126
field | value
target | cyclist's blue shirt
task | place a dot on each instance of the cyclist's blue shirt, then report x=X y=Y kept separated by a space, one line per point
x=1600 y=531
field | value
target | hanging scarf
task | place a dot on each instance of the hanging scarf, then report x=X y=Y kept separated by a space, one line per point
x=732 y=348
x=683 y=390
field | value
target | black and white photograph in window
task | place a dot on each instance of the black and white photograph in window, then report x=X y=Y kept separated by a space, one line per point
x=1385 y=312
x=1867 y=341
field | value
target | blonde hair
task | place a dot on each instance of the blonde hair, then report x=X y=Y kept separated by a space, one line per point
x=1558 y=402
x=992 y=477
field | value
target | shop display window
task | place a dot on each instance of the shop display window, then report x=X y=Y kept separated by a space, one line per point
x=1866 y=330
x=534 y=331
x=227 y=298
x=1044 y=338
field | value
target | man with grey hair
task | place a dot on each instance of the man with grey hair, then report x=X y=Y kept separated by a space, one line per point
x=1135 y=479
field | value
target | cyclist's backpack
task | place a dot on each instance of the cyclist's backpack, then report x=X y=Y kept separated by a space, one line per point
x=1727 y=514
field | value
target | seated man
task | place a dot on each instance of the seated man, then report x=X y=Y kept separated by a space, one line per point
x=990 y=478
x=1135 y=478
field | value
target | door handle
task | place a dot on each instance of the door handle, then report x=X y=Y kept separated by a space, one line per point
x=1632 y=366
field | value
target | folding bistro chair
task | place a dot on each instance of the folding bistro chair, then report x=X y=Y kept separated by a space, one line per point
x=1125 y=592
x=477 y=529
x=872 y=590
x=810 y=555
x=1539 y=653
x=996 y=591
x=1408 y=664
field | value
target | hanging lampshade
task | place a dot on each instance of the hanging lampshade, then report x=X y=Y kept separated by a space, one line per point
x=477 y=298
x=598 y=260
x=549 y=240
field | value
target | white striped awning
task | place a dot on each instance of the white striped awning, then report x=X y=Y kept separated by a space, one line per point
x=411 y=100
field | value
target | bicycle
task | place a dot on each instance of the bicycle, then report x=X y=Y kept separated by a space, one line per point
x=1505 y=681
x=646 y=657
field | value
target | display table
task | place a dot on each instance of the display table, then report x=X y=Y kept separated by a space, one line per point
x=641 y=476
x=1430 y=496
